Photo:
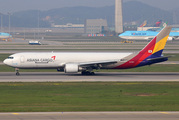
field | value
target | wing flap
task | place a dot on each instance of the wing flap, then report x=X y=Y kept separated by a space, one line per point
x=96 y=63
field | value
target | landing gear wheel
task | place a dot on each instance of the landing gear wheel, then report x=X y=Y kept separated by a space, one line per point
x=87 y=73
x=92 y=73
x=17 y=73
x=83 y=72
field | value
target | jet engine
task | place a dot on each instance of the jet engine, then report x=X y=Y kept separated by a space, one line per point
x=71 y=68
x=170 y=38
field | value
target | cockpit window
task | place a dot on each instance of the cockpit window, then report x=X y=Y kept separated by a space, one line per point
x=10 y=58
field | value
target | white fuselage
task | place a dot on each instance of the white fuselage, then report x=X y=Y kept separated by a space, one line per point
x=4 y=37
x=56 y=60
x=142 y=38
x=137 y=37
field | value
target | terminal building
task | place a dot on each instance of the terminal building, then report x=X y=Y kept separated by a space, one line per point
x=95 y=26
x=68 y=25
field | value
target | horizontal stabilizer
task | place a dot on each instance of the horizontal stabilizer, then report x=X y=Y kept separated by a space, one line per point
x=158 y=58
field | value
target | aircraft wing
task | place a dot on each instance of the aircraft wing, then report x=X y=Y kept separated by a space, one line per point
x=97 y=63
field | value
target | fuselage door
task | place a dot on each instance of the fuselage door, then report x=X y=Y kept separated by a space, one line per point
x=22 y=59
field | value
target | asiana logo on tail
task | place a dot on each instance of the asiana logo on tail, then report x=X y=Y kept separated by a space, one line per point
x=41 y=60
x=150 y=51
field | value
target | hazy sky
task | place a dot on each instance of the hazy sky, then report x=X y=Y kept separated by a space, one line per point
x=19 y=5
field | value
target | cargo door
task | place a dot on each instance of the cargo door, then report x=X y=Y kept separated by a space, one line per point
x=22 y=59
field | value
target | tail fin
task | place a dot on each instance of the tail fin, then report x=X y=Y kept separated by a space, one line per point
x=151 y=53
x=144 y=24
x=153 y=49
x=165 y=24
x=156 y=46
x=158 y=23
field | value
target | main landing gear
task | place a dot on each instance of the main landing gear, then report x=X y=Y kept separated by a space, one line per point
x=17 y=71
x=87 y=73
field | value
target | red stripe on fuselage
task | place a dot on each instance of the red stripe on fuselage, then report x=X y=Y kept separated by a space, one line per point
x=146 y=52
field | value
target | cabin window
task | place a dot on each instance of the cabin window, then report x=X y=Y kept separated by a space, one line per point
x=10 y=58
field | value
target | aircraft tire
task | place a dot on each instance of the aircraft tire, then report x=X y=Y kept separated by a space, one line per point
x=92 y=73
x=83 y=73
x=17 y=74
x=87 y=73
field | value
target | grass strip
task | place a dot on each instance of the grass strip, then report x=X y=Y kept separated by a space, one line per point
x=4 y=56
x=152 y=68
x=174 y=58
x=110 y=96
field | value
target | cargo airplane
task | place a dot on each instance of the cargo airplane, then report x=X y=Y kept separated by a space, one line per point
x=85 y=62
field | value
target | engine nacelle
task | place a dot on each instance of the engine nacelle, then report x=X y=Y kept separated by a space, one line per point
x=71 y=68
x=170 y=38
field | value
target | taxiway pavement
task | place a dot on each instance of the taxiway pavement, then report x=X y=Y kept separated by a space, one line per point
x=101 y=77
x=91 y=116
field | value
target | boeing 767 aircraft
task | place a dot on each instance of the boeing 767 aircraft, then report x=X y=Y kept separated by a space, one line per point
x=85 y=62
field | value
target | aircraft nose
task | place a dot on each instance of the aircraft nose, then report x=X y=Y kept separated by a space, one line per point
x=5 y=61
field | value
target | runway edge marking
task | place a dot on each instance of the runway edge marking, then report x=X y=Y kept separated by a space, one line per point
x=164 y=112
x=15 y=113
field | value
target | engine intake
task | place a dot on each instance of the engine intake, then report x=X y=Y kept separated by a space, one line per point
x=71 y=68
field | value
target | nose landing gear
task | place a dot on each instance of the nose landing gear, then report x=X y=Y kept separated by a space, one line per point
x=17 y=71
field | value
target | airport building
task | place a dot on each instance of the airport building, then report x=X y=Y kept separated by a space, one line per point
x=68 y=25
x=147 y=28
x=94 y=26
x=118 y=16
x=130 y=27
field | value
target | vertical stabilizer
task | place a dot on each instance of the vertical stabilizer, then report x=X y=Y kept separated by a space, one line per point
x=158 y=23
x=156 y=46
x=144 y=24
x=152 y=50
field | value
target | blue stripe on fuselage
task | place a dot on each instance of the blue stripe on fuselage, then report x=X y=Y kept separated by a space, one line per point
x=4 y=34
